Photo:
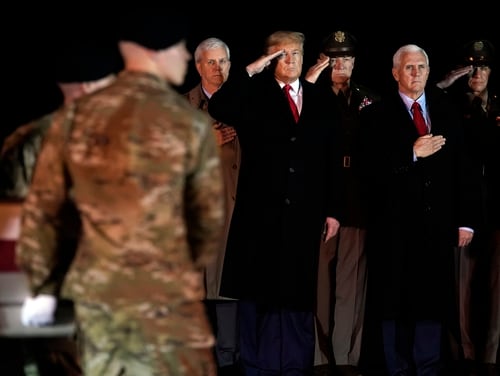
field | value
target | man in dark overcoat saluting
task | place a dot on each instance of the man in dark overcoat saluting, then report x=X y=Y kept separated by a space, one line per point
x=285 y=199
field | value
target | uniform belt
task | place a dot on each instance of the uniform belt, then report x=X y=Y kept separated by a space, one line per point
x=346 y=162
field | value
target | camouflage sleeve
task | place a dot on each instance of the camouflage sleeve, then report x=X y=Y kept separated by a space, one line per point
x=204 y=199
x=41 y=241
x=18 y=158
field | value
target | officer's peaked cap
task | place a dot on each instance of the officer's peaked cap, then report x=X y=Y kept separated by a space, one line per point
x=339 y=43
x=479 y=52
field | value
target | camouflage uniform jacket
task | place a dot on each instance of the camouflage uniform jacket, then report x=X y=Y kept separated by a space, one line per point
x=142 y=168
x=18 y=157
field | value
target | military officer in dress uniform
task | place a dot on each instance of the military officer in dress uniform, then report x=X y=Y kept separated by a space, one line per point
x=478 y=265
x=342 y=273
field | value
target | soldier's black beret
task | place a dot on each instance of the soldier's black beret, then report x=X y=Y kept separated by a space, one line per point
x=339 y=43
x=479 y=52
x=86 y=61
x=153 y=28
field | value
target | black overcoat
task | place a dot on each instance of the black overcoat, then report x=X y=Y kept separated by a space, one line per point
x=416 y=206
x=286 y=188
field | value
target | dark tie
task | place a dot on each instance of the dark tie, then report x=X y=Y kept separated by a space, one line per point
x=477 y=102
x=293 y=105
x=342 y=99
x=418 y=119
x=477 y=108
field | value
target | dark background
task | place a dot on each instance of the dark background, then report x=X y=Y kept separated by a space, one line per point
x=32 y=36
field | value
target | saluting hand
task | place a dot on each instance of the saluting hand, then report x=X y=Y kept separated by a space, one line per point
x=258 y=65
x=454 y=75
x=313 y=73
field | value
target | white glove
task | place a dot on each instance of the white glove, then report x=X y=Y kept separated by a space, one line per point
x=39 y=310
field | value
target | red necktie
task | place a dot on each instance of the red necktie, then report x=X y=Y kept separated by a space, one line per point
x=418 y=119
x=293 y=105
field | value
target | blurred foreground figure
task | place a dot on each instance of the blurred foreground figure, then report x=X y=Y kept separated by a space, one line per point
x=142 y=169
x=80 y=69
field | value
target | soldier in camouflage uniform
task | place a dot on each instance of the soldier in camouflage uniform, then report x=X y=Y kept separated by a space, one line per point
x=142 y=167
x=80 y=69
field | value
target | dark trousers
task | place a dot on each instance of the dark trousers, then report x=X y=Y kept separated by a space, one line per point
x=223 y=318
x=412 y=348
x=275 y=341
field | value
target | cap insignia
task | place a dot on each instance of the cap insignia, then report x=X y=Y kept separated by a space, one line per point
x=340 y=36
x=478 y=46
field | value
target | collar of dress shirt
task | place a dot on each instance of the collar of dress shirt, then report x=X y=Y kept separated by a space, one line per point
x=422 y=101
x=205 y=92
x=409 y=101
x=295 y=85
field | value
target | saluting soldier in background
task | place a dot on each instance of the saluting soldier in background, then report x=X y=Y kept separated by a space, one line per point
x=478 y=264
x=342 y=274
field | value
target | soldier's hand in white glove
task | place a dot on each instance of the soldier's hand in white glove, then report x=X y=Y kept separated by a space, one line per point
x=39 y=310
